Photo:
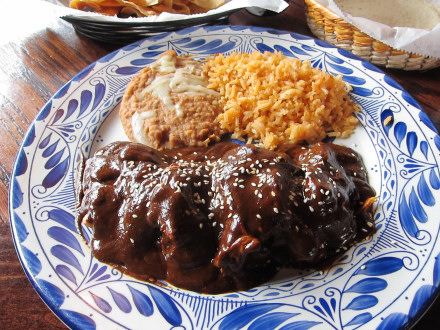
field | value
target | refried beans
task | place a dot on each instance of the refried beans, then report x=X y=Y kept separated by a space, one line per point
x=167 y=105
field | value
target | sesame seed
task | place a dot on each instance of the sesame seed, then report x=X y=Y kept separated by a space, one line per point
x=258 y=216
x=275 y=210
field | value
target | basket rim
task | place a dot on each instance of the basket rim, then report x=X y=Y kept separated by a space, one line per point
x=332 y=16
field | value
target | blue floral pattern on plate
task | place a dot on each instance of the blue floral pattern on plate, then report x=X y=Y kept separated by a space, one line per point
x=384 y=282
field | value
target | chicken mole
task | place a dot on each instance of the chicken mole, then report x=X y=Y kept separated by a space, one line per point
x=226 y=217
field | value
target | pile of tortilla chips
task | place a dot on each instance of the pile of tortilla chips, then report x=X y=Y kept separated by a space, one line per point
x=141 y=8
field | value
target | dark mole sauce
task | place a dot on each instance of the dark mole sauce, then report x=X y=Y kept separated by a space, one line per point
x=226 y=217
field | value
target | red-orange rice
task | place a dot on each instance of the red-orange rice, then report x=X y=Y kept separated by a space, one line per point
x=276 y=99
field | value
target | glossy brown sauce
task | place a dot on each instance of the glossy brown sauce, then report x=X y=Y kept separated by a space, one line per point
x=226 y=217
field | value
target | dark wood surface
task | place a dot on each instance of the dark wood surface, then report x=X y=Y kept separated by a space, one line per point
x=38 y=54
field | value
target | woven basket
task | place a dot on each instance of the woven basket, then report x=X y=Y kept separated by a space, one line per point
x=327 y=26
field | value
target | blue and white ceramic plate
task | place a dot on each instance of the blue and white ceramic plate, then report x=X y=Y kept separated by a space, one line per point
x=386 y=282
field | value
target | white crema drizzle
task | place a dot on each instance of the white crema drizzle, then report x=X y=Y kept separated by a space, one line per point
x=187 y=80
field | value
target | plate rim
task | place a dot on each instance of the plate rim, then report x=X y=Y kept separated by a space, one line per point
x=68 y=321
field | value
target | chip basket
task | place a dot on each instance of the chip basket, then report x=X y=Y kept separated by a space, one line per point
x=327 y=26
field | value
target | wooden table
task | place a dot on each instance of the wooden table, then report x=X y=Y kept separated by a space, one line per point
x=37 y=56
